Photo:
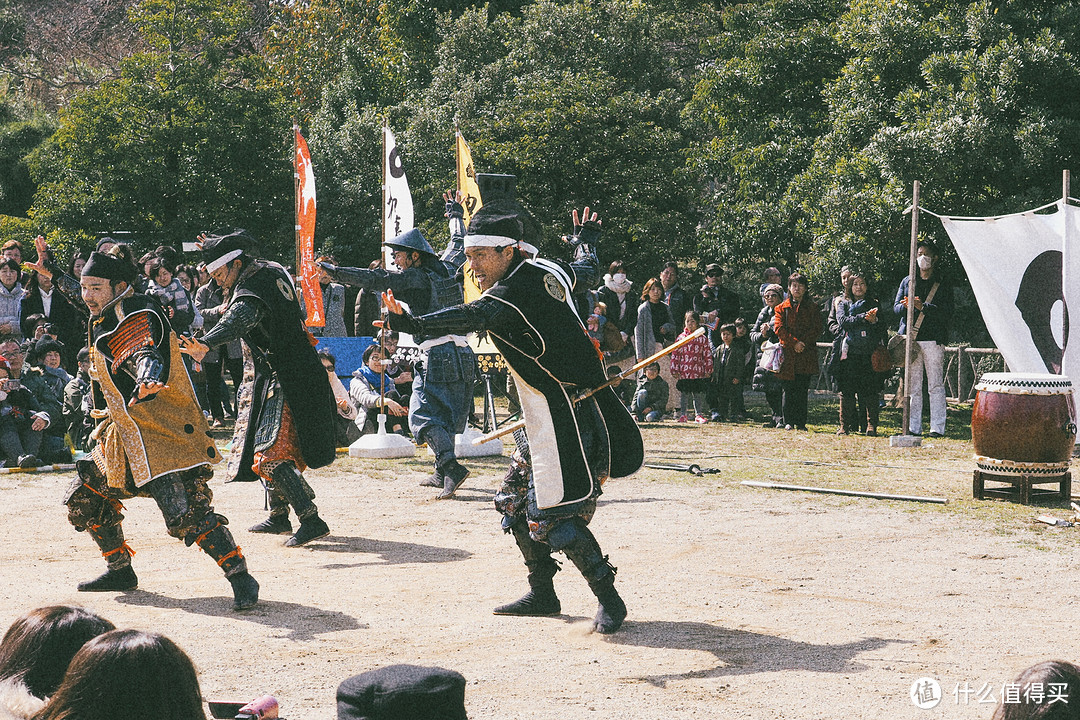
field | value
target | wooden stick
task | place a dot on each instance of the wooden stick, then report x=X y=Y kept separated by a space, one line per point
x=834 y=491
x=589 y=393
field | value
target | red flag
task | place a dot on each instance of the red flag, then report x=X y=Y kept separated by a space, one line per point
x=305 y=234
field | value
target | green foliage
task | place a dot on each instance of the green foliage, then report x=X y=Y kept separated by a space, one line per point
x=186 y=139
x=977 y=101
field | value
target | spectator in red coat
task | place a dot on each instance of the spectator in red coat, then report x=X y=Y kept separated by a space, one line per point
x=798 y=325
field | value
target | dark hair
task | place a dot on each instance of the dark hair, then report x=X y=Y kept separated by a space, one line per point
x=653 y=282
x=75 y=256
x=848 y=295
x=673 y=265
x=31 y=322
x=740 y=321
x=692 y=314
x=1051 y=672
x=387 y=334
x=11 y=244
x=369 y=350
x=11 y=263
x=799 y=278
x=613 y=370
x=127 y=675
x=728 y=327
x=615 y=265
x=39 y=645
x=325 y=355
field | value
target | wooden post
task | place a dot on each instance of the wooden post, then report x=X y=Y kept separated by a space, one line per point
x=913 y=270
x=296 y=205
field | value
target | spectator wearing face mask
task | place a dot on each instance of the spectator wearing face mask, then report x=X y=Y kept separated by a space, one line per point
x=622 y=302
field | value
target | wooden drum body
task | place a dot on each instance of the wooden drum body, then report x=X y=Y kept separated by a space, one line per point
x=1023 y=424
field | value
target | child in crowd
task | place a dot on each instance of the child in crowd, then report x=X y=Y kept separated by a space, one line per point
x=651 y=396
x=364 y=389
x=692 y=365
x=171 y=294
x=733 y=371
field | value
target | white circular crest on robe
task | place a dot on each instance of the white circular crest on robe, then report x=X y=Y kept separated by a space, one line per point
x=554 y=287
x=285 y=289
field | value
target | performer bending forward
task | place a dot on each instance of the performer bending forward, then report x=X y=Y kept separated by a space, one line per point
x=286 y=410
x=152 y=438
x=549 y=498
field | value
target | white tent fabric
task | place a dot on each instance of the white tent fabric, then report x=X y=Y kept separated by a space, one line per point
x=1019 y=266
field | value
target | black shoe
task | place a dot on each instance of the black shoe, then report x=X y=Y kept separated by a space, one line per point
x=274 y=525
x=535 y=603
x=121 y=579
x=436 y=479
x=453 y=476
x=311 y=529
x=245 y=591
x=936 y=435
x=29 y=461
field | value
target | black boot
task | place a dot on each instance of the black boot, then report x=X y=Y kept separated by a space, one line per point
x=288 y=480
x=541 y=599
x=311 y=528
x=217 y=542
x=119 y=579
x=435 y=479
x=119 y=575
x=275 y=525
x=245 y=590
x=454 y=473
x=577 y=541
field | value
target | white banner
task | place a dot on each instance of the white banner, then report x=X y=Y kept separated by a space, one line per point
x=1018 y=266
x=398 y=207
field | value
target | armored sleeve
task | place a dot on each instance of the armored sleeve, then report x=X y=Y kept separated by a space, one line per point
x=454 y=254
x=478 y=316
x=67 y=285
x=240 y=318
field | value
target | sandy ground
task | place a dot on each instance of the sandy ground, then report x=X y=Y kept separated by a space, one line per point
x=743 y=603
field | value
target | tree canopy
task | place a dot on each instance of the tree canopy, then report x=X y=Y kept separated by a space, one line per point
x=769 y=132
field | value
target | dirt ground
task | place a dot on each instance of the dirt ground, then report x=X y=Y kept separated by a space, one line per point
x=744 y=603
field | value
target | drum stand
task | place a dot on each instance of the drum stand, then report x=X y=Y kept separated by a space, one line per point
x=1022 y=485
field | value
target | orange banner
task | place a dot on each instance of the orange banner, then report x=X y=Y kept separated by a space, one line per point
x=305 y=234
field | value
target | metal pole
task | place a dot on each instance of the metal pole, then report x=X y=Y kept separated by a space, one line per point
x=913 y=270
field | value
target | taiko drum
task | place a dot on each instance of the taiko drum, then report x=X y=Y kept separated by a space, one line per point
x=1023 y=424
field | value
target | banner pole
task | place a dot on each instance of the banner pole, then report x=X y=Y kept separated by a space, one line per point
x=913 y=269
x=296 y=203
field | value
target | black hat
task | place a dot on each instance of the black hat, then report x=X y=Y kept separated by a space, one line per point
x=222 y=247
x=714 y=268
x=495 y=224
x=412 y=240
x=403 y=692
x=36 y=352
x=109 y=266
x=84 y=354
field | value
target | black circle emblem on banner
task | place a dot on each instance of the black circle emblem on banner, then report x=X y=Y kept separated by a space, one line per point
x=1040 y=290
x=396 y=168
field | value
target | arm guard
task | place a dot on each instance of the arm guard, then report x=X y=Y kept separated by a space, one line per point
x=454 y=254
x=242 y=315
x=478 y=316
x=149 y=367
x=67 y=285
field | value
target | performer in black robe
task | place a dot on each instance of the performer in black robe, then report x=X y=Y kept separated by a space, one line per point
x=286 y=406
x=550 y=494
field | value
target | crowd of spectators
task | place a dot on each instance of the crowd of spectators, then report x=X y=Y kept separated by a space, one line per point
x=776 y=352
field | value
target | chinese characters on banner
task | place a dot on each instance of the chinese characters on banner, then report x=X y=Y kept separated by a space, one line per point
x=305 y=234
x=397 y=207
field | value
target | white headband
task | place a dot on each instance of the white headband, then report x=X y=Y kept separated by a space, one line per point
x=221 y=261
x=489 y=241
x=530 y=250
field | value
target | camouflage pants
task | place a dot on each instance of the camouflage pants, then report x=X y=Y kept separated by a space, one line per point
x=516 y=500
x=183 y=496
